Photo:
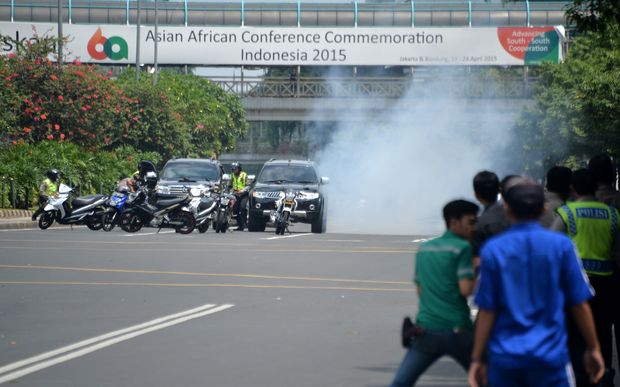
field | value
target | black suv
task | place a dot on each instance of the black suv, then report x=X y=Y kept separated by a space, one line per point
x=180 y=174
x=274 y=179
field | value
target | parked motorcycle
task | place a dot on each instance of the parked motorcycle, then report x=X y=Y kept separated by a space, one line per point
x=81 y=210
x=280 y=217
x=223 y=215
x=170 y=213
x=203 y=206
x=115 y=206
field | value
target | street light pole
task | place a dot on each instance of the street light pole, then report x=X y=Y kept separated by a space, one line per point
x=138 y=44
x=156 y=44
x=59 y=33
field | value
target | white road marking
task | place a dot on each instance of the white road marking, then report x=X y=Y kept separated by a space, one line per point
x=287 y=236
x=148 y=233
x=57 y=228
x=99 y=342
x=424 y=239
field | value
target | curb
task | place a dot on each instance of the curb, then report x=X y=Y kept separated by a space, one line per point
x=13 y=213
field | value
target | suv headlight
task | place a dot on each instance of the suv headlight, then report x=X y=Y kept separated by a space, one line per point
x=162 y=189
x=305 y=195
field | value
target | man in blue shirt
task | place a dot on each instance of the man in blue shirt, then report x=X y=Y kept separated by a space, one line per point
x=527 y=276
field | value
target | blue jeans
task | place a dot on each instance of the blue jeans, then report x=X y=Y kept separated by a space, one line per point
x=425 y=350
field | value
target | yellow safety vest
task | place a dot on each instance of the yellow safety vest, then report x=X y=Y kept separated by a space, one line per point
x=238 y=182
x=592 y=226
x=50 y=187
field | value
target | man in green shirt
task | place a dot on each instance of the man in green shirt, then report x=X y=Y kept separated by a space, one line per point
x=444 y=277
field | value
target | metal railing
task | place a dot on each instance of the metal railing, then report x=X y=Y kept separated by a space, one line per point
x=299 y=13
x=375 y=87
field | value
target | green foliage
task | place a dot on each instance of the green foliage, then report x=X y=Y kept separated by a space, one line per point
x=50 y=103
x=86 y=172
x=213 y=118
x=75 y=119
x=576 y=114
x=194 y=115
x=599 y=16
x=158 y=128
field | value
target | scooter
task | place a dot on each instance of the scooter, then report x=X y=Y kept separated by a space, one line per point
x=280 y=217
x=86 y=210
x=171 y=213
x=119 y=200
x=203 y=205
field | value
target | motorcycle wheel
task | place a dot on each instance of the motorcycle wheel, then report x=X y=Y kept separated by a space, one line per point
x=131 y=222
x=109 y=221
x=203 y=227
x=46 y=220
x=94 y=223
x=189 y=223
x=281 y=225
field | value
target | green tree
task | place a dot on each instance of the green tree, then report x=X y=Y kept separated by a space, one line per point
x=207 y=118
x=44 y=102
x=577 y=103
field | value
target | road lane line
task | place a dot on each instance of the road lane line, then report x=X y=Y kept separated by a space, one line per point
x=287 y=236
x=201 y=274
x=207 y=285
x=202 y=250
x=147 y=233
x=82 y=343
x=105 y=343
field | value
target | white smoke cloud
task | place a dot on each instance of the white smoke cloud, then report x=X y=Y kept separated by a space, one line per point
x=392 y=173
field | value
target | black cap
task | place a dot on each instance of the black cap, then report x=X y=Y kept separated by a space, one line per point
x=526 y=201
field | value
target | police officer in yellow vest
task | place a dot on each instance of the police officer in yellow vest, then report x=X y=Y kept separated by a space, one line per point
x=238 y=183
x=593 y=227
x=49 y=187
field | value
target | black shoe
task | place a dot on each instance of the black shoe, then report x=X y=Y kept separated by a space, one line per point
x=239 y=228
x=34 y=217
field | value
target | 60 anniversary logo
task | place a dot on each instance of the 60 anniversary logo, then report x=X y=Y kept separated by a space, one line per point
x=113 y=47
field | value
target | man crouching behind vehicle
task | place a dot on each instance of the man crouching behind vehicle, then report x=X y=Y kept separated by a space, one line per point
x=444 y=277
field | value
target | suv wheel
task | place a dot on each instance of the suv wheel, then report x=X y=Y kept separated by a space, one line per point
x=319 y=226
x=256 y=223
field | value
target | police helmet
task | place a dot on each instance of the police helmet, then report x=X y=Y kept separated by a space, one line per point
x=53 y=174
x=236 y=165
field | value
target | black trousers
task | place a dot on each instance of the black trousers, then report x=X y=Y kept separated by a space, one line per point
x=240 y=207
x=42 y=203
x=604 y=305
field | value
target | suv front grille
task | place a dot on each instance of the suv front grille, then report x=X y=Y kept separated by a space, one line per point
x=177 y=190
x=273 y=195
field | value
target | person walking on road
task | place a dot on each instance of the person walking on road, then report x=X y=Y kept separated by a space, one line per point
x=444 y=277
x=527 y=276
x=605 y=175
x=593 y=227
x=492 y=221
x=558 y=192
x=47 y=188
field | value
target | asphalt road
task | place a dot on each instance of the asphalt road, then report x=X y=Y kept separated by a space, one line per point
x=235 y=309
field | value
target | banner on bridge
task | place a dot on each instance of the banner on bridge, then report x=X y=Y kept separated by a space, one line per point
x=250 y=46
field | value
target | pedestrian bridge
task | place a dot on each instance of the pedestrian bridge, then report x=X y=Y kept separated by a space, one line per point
x=335 y=98
x=416 y=13
x=329 y=98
